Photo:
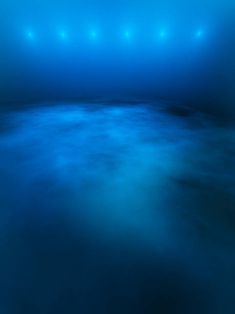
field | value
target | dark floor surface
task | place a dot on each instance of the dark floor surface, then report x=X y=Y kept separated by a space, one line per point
x=119 y=208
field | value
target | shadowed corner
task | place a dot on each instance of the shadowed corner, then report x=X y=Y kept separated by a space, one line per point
x=53 y=270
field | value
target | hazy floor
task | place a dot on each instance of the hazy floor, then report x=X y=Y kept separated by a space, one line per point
x=116 y=209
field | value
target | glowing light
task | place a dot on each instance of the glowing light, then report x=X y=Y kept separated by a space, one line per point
x=127 y=34
x=30 y=35
x=162 y=34
x=199 y=33
x=63 y=35
x=93 y=35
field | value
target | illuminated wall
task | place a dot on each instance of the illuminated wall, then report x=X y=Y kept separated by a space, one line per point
x=59 y=50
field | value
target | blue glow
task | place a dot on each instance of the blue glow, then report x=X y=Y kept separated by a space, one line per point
x=93 y=35
x=199 y=33
x=162 y=34
x=30 y=35
x=127 y=35
x=63 y=35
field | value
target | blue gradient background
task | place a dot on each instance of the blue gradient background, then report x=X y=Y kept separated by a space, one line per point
x=117 y=157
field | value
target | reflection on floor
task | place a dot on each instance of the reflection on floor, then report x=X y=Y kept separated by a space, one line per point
x=122 y=208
